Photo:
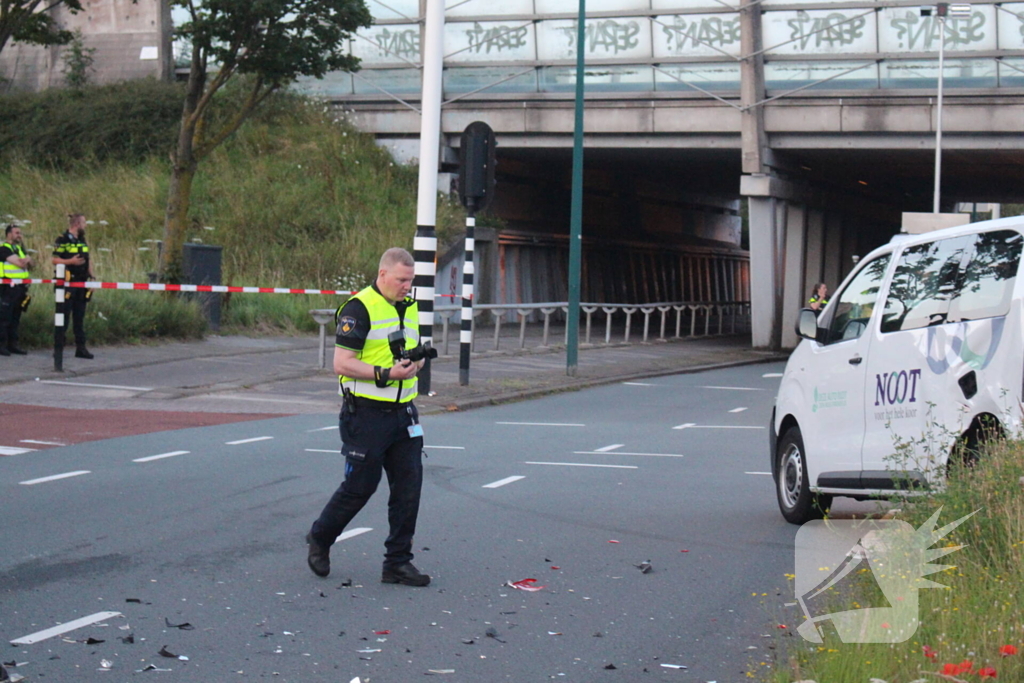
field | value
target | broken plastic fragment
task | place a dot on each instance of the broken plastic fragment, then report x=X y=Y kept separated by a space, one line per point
x=644 y=567
x=185 y=626
x=610 y=667
x=366 y=652
x=106 y=664
x=92 y=641
x=554 y=567
x=613 y=541
x=674 y=666
x=129 y=639
x=468 y=641
x=381 y=633
x=440 y=671
x=524 y=585
x=554 y=633
x=493 y=633
x=164 y=652
x=151 y=667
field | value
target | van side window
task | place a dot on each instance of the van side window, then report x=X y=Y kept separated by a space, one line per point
x=989 y=278
x=926 y=280
x=852 y=311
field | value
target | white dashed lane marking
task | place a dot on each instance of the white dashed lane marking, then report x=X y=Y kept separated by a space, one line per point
x=772 y=374
x=543 y=424
x=767 y=474
x=448 y=448
x=693 y=425
x=352 y=533
x=320 y=450
x=609 y=448
x=502 y=482
x=54 y=477
x=44 y=443
x=12 y=450
x=733 y=388
x=738 y=410
x=584 y=464
x=60 y=629
x=252 y=440
x=322 y=429
x=656 y=455
x=150 y=458
x=639 y=384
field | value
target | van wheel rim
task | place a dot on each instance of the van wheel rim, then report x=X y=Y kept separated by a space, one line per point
x=791 y=476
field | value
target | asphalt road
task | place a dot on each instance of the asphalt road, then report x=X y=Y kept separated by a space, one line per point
x=188 y=526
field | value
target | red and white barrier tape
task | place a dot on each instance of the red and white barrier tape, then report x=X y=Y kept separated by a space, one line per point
x=157 y=287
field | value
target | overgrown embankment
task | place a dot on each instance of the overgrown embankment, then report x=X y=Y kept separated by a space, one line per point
x=972 y=628
x=296 y=198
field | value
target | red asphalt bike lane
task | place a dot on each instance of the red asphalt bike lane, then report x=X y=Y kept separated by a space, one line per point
x=67 y=426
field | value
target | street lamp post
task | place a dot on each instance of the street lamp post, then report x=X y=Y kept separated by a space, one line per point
x=942 y=11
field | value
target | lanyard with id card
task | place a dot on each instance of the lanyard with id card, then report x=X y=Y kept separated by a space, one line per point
x=415 y=429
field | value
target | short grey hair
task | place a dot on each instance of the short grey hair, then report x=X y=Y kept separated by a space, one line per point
x=396 y=256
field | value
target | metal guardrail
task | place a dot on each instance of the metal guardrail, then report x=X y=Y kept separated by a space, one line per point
x=727 y=316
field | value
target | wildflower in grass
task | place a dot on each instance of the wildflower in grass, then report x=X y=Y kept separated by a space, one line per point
x=987 y=672
x=929 y=653
x=1007 y=650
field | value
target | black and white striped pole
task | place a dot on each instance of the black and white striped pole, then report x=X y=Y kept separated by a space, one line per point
x=425 y=243
x=466 y=329
x=59 y=292
x=476 y=189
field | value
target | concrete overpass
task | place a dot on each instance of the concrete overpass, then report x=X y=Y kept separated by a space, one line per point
x=822 y=115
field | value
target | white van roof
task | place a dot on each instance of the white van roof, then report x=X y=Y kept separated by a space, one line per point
x=903 y=239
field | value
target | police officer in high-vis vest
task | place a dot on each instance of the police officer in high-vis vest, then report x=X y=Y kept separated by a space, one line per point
x=819 y=298
x=13 y=297
x=72 y=250
x=377 y=355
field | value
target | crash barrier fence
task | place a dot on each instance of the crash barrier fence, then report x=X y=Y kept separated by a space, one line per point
x=704 y=318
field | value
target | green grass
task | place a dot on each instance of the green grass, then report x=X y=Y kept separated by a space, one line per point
x=298 y=198
x=978 y=612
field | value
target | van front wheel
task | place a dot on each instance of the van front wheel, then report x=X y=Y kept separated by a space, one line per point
x=796 y=501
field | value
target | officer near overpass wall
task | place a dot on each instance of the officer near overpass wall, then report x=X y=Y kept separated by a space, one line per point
x=72 y=250
x=377 y=355
x=13 y=297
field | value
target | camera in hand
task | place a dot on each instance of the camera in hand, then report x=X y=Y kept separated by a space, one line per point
x=396 y=340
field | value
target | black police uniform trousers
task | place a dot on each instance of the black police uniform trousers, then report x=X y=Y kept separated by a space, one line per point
x=74 y=309
x=374 y=439
x=11 y=297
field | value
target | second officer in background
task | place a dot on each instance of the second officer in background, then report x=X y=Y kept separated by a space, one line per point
x=72 y=250
x=380 y=430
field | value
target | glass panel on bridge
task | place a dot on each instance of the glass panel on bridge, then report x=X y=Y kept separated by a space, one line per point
x=394 y=9
x=397 y=81
x=789 y=75
x=710 y=77
x=956 y=73
x=332 y=85
x=598 y=78
x=467 y=79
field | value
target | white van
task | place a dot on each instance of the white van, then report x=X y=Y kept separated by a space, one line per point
x=920 y=351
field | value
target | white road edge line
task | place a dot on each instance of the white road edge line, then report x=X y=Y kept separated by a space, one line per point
x=55 y=477
x=59 y=629
x=252 y=440
x=502 y=482
x=150 y=458
x=657 y=455
x=448 y=448
x=320 y=450
x=691 y=425
x=738 y=410
x=45 y=443
x=733 y=388
x=609 y=448
x=352 y=533
x=95 y=386
x=583 y=464
x=767 y=474
x=543 y=424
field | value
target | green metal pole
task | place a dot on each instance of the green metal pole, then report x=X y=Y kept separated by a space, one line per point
x=576 y=215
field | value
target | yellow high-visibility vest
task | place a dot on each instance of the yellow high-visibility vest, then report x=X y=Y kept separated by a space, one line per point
x=376 y=351
x=9 y=269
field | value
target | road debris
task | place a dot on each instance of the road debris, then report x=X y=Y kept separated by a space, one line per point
x=644 y=567
x=524 y=585
x=493 y=633
x=105 y=665
x=184 y=626
x=610 y=667
x=674 y=666
x=434 y=672
x=151 y=667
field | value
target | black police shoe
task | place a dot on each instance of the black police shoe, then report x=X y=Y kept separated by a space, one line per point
x=405 y=574
x=83 y=352
x=17 y=351
x=319 y=557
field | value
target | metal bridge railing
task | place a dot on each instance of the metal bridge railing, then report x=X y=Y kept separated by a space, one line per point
x=690 y=319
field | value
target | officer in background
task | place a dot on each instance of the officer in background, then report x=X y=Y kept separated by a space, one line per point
x=73 y=252
x=819 y=298
x=13 y=297
x=379 y=424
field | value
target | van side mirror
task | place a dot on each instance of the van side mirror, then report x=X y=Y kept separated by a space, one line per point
x=807 y=325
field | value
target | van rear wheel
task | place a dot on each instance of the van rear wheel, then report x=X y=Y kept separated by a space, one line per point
x=796 y=500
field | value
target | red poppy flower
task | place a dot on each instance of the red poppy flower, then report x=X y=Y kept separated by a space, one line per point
x=966 y=666
x=950 y=669
x=1007 y=650
x=987 y=672
x=929 y=653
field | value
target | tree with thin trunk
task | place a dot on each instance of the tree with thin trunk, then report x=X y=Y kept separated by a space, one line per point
x=31 y=21
x=269 y=44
